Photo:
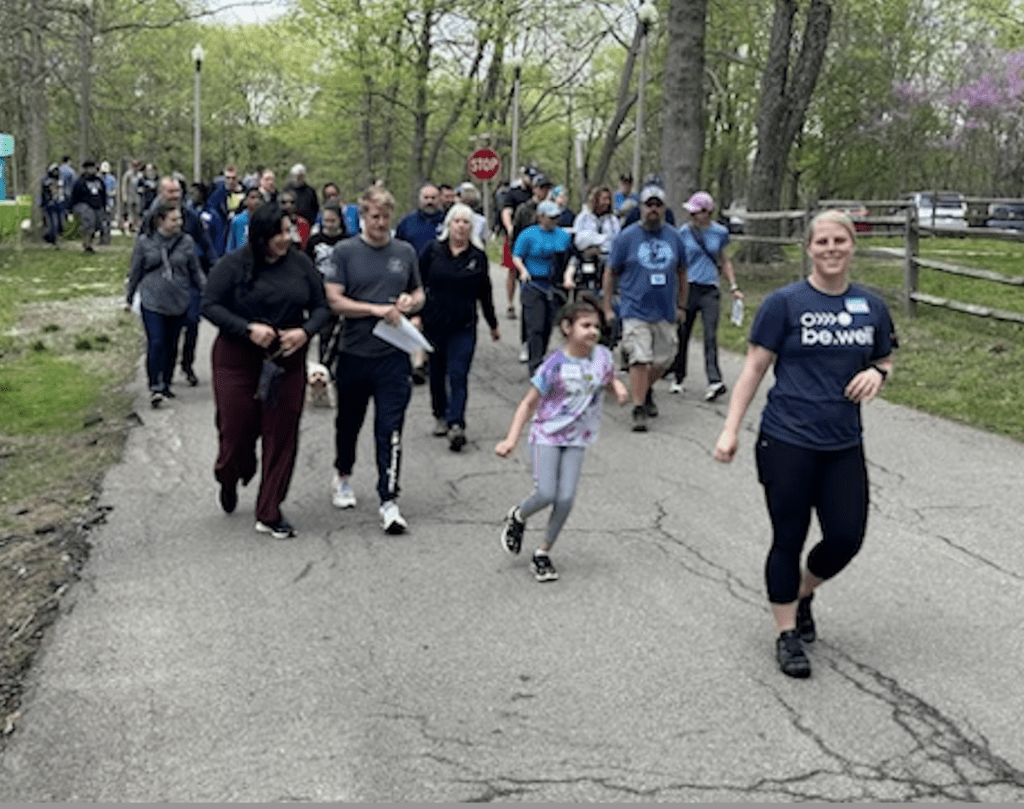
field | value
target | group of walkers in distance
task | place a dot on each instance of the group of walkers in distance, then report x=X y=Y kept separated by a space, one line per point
x=274 y=269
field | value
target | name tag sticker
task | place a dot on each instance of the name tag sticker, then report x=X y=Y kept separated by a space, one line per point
x=857 y=306
x=657 y=279
x=570 y=371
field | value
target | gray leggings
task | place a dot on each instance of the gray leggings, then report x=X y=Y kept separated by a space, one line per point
x=556 y=472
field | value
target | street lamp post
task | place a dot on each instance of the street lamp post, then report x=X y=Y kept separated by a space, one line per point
x=646 y=16
x=197 y=56
x=513 y=172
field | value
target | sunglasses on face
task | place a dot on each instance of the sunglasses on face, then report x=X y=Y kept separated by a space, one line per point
x=654 y=203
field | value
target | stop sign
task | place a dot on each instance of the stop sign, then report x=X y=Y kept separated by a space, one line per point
x=484 y=164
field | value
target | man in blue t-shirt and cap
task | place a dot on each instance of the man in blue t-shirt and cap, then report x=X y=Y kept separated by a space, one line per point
x=648 y=261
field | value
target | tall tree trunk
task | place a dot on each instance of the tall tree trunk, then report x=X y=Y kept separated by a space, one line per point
x=781 y=113
x=685 y=107
x=36 y=110
x=625 y=101
x=85 y=97
x=421 y=111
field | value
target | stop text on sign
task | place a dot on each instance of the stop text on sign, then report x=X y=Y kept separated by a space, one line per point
x=484 y=164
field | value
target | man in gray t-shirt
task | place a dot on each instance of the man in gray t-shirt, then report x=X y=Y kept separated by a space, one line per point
x=372 y=274
x=372 y=277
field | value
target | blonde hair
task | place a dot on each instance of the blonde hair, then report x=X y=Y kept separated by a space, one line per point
x=376 y=195
x=467 y=213
x=836 y=217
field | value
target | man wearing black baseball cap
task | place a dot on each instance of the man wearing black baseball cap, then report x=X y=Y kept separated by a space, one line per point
x=648 y=258
x=89 y=202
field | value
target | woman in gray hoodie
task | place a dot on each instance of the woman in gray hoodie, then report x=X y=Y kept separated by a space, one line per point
x=163 y=265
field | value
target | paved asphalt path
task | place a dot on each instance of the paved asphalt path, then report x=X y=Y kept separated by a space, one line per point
x=198 y=661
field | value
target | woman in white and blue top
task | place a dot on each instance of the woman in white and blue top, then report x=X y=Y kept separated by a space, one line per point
x=830 y=343
x=704 y=242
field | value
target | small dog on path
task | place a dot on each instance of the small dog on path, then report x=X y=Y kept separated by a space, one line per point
x=319 y=390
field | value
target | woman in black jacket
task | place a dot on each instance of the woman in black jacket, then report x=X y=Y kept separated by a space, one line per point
x=267 y=299
x=455 y=276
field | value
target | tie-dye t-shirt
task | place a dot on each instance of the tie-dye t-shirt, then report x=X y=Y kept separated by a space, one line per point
x=569 y=411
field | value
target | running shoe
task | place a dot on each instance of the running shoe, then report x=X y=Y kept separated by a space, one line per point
x=714 y=390
x=789 y=651
x=542 y=568
x=456 y=438
x=342 y=495
x=512 y=533
x=391 y=518
x=278 y=529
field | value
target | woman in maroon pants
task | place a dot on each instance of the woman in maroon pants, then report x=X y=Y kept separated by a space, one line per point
x=266 y=298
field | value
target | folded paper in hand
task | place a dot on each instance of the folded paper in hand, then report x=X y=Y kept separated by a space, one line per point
x=404 y=336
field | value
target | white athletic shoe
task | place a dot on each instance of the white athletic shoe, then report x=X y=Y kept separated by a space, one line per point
x=524 y=354
x=675 y=387
x=391 y=518
x=342 y=495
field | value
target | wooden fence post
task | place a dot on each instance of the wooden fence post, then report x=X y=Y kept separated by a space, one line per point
x=910 y=268
x=805 y=260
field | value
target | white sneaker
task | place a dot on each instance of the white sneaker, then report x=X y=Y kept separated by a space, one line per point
x=391 y=518
x=675 y=387
x=342 y=495
x=714 y=390
x=524 y=354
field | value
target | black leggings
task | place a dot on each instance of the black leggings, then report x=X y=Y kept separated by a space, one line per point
x=832 y=482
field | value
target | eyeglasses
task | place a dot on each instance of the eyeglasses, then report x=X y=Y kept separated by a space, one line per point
x=654 y=203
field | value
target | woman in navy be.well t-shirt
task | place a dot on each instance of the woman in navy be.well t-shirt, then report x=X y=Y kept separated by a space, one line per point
x=830 y=342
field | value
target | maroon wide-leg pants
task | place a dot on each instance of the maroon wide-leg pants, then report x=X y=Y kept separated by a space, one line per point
x=242 y=419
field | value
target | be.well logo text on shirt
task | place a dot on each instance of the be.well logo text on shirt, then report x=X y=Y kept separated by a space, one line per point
x=833 y=329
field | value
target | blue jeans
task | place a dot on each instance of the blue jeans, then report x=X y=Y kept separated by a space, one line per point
x=52 y=216
x=388 y=380
x=161 y=347
x=449 y=374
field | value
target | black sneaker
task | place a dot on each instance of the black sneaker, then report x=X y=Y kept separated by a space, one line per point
x=456 y=438
x=649 y=405
x=805 y=621
x=512 y=533
x=191 y=378
x=789 y=651
x=542 y=568
x=156 y=398
x=228 y=497
x=639 y=419
x=279 y=529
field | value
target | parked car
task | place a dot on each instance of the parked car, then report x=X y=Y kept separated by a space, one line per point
x=857 y=211
x=733 y=215
x=947 y=210
x=1006 y=216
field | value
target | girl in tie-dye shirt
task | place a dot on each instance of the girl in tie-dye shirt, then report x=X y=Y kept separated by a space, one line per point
x=565 y=394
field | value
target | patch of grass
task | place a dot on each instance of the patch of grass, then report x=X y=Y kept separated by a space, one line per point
x=43 y=393
x=43 y=274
